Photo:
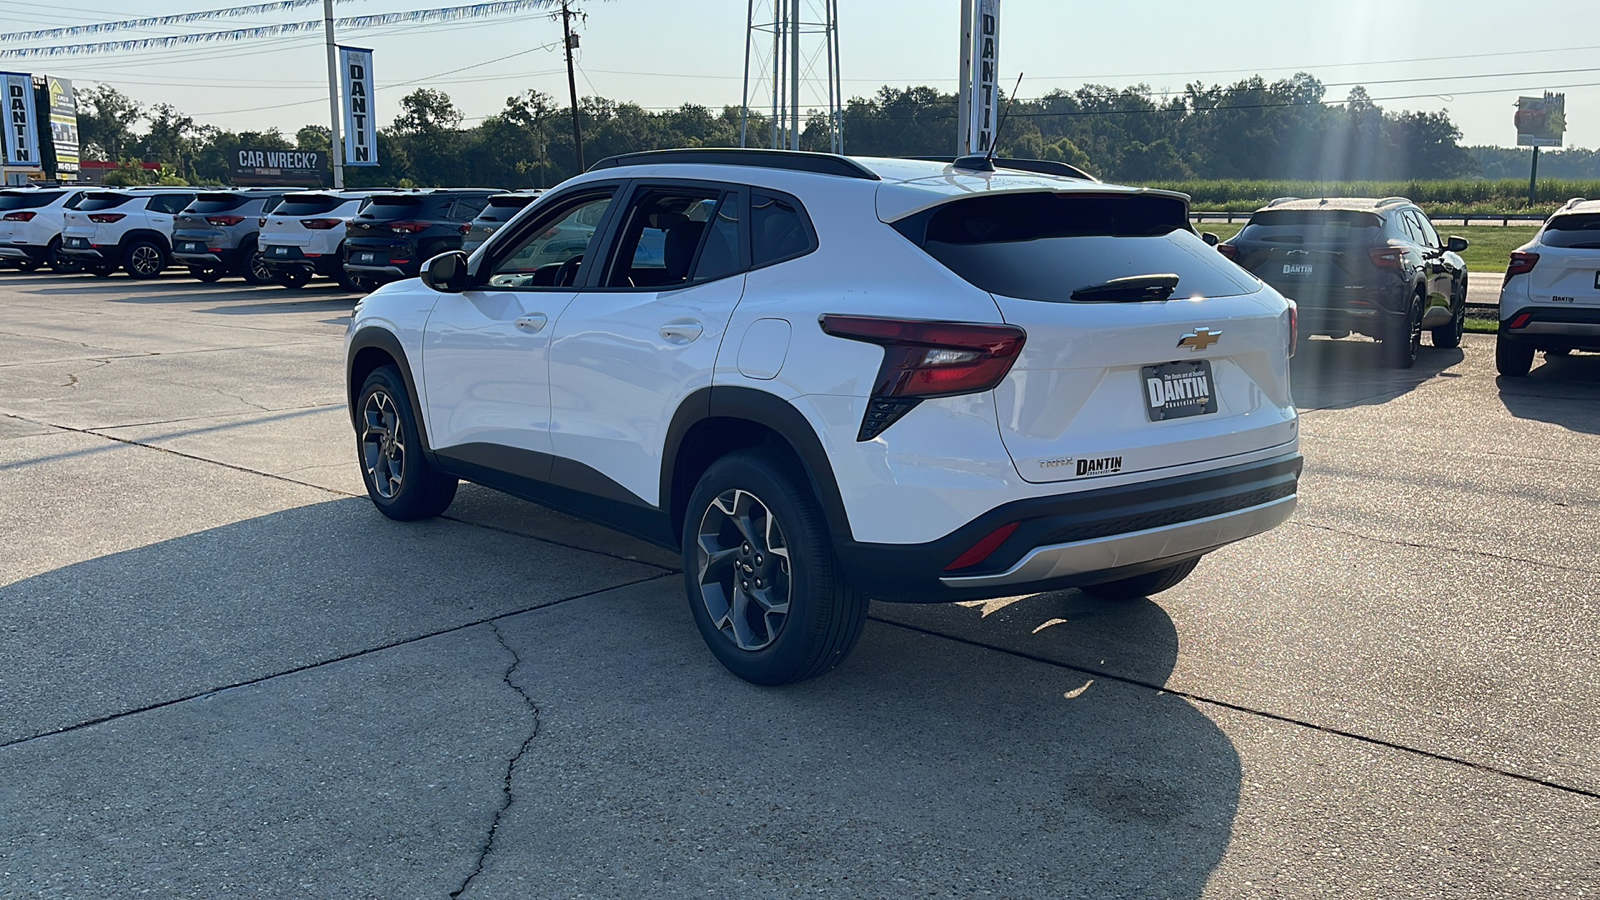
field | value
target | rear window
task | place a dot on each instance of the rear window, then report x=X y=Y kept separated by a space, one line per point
x=393 y=207
x=1312 y=226
x=205 y=204
x=501 y=209
x=29 y=200
x=1575 y=231
x=92 y=202
x=1039 y=246
x=307 y=205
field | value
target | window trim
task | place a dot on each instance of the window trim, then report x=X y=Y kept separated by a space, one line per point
x=498 y=247
x=739 y=193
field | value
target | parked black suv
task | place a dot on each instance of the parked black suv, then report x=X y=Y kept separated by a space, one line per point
x=396 y=233
x=1373 y=267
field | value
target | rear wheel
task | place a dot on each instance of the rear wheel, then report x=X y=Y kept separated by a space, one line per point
x=354 y=283
x=1404 y=340
x=292 y=278
x=1449 y=336
x=103 y=269
x=255 y=269
x=1512 y=357
x=763 y=585
x=144 y=259
x=60 y=262
x=400 y=480
x=1143 y=585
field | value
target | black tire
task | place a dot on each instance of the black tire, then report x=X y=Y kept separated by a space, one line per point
x=144 y=259
x=102 y=270
x=208 y=274
x=255 y=269
x=29 y=264
x=1404 y=339
x=821 y=615
x=399 y=478
x=1557 y=351
x=355 y=283
x=1146 y=585
x=1513 y=357
x=292 y=278
x=61 y=263
x=1448 y=337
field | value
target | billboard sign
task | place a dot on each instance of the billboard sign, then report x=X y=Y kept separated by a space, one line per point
x=286 y=168
x=360 y=137
x=64 y=126
x=982 y=95
x=1541 y=121
x=21 y=128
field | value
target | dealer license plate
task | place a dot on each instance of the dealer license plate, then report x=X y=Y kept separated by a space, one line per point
x=76 y=243
x=280 y=251
x=191 y=247
x=367 y=257
x=1178 y=389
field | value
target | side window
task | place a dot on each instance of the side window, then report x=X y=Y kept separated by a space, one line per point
x=662 y=236
x=1429 y=236
x=778 y=230
x=273 y=202
x=170 y=203
x=549 y=254
x=1405 y=229
x=467 y=208
x=720 y=256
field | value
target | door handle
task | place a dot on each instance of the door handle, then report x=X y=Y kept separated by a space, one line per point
x=682 y=331
x=532 y=324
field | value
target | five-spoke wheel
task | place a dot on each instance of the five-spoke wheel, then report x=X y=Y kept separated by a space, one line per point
x=400 y=480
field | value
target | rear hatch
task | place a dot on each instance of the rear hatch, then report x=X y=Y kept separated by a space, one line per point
x=1568 y=270
x=1145 y=348
x=97 y=219
x=302 y=223
x=1316 y=257
x=212 y=221
x=20 y=208
x=500 y=210
x=387 y=227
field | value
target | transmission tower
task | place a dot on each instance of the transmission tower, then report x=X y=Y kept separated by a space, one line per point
x=786 y=43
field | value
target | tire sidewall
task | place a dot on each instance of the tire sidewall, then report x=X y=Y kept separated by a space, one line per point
x=409 y=500
x=133 y=270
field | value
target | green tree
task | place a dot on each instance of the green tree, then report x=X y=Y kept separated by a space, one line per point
x=105 y=122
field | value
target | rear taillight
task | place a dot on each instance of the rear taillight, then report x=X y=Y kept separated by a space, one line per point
x=1229 y=251
x=20 y=216
x=466 y=228
x=1390 y=258
x=107 y=218
x=261 y=222
x=923 y=359
x=407 y=227
x=1292 y=314
x=320 y=224
x=1521 y=263
x=1520 y=320
x=224 y=221
x=983 y=549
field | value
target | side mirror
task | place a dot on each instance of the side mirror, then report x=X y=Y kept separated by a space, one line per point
x=1457 y=244
x=1210 y=239
x=447 y=273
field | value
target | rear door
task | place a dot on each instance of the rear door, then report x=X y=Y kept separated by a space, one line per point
x=1568 y=271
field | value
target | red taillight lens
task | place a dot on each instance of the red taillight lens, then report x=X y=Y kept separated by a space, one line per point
x=1229 y=251
x=20 y=216
x=1391 y=258
x=261 y=222
x=983 y=549
x=466 y=228
x=1520 y=320
x=320 y=224
x=1521 y=263
x=923 y=359
x=224 y=221
x=407 y=227
x=1293 y=314
x=107 y=218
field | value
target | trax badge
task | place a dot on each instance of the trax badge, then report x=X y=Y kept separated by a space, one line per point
x=1199 y=339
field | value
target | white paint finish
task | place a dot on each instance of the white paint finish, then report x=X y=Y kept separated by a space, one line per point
x=762 y=352
x=44 y=227
x=287 y=231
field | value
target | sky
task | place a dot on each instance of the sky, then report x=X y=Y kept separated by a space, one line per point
x=1471 y=58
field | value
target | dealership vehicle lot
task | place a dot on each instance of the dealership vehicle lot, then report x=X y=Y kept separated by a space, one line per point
x=227 y=674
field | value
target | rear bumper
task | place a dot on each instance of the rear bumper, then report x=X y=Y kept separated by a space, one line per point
x=392 y=273
x=1571 y=327
x=285 y=258
x=225 y=257
x=12 y=251
x=92 y=254
x=1087 y=537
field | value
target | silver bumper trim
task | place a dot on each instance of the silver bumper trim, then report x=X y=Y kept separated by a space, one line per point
x=1560 y=329
x=1103 y=554
x=13 y=253
x=386 y=270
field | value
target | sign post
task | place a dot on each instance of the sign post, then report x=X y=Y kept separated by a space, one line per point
x=333 y=95
x=1541 y=122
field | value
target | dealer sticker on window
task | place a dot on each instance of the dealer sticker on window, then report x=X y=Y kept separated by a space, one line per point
x=1178 y=389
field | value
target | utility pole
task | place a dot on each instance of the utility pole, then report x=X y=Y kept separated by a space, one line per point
x=335 y=152
x=1533 y=182
x=572 y=84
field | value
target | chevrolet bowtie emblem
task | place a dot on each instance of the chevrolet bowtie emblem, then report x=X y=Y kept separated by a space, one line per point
x=1200 y=339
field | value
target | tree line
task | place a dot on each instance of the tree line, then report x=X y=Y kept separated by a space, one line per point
x=1251 y=129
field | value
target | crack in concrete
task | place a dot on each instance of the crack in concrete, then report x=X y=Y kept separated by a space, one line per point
x=511 y=764
x=1417 y=545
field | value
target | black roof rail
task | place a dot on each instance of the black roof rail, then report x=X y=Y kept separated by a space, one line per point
x=793 y=160
x=1036 y=166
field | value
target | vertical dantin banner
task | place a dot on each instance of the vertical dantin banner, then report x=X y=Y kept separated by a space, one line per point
x=360 y=137
x=64 y=126
x=21 y=132
x=982 y=98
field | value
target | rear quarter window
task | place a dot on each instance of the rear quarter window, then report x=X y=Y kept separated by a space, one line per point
x=206 y=204
x=29 y=200
x=1296 y=226
x=307 y=206
x=393 y=207
x=1572 y=231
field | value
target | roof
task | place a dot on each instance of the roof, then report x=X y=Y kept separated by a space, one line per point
x=1579 y=205
x=1363 y=204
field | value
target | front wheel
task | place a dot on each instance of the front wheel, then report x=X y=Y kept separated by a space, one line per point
x=61 y=263
x=144 y=259
x=29 y=264
x=763 y=585
x=1144 y=585
x=400 y=480
x=208 y=274
x=292 y=278
x=102 y=270
x=1513 y=357
x=256 y=271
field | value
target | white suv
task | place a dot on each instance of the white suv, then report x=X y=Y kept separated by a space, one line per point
x=305 y=236
x=130 y=227
x=30 y=227
x=1551 y=297
x=843 y=378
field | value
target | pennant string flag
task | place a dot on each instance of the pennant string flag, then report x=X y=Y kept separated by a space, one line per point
x=159 y=21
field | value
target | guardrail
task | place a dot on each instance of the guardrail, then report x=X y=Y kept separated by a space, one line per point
x=1474 y=219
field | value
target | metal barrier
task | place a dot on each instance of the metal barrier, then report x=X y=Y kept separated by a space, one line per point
x=1502 y=220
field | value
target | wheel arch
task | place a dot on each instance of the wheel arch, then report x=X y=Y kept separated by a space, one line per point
x=145 y=234
x=713 y=422
x=372 y=348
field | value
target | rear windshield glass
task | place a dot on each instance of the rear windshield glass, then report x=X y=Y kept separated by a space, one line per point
x=501 y=209
x=307 y=205
x=216 y=203
x=1045 y=246
x=393 y=207
x=92 y=202
x=29 y=200
x=1312 y=226
x=1579 y=232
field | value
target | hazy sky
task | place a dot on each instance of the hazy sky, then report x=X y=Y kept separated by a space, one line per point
x=1469 y=57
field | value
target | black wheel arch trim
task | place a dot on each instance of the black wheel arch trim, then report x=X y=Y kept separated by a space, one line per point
x=145 y=234
x=373 y=337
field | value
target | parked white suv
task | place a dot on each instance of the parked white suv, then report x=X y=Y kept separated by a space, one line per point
x=128 y=227
x=844 y=378
x=305 y=236
x=1551 y=297
x=30 y=227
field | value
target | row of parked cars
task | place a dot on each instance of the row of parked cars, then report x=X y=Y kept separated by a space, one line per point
x=360 y=238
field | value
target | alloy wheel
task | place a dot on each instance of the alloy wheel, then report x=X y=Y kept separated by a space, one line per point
x=383 y=449
x=145 y=260
x=744 y=569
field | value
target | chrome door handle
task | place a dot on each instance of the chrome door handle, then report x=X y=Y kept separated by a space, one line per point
x=532 y=324
x=682 y=331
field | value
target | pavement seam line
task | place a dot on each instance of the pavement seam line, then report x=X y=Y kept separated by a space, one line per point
x=1224 y=704
x=356 y=654
x=1435 y=547
x=511 y=764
